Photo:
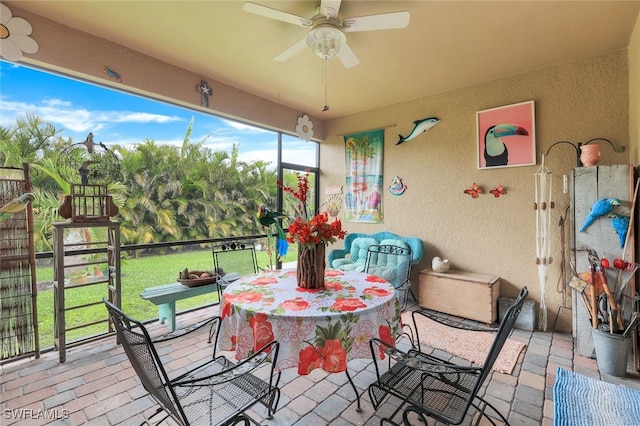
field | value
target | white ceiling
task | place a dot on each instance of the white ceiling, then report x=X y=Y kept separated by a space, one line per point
x=447 y=45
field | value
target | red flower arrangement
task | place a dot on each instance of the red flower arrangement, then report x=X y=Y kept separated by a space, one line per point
x=307 y=229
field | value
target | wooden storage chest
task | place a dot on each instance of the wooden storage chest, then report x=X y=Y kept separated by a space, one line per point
x=460 y=293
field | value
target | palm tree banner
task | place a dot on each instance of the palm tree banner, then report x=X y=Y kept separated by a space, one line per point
x=364 y=154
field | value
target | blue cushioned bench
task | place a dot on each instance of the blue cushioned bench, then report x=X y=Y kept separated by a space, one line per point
x=414 y=243
x=165 y=296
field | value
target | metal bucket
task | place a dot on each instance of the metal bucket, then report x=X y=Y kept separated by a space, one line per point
x=612 y=352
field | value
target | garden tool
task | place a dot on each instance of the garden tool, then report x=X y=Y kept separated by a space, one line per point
x=580 y=282
x=632 y=322
x=593 y=262
x=627 y=271
x=612 y=313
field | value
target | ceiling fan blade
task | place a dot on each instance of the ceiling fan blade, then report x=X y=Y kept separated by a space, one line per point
x=278 y=15
x=384 y=21
x=347 y=56
x=330 y=8
x=291 y=51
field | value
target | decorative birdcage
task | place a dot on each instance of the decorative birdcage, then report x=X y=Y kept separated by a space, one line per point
x=89 y=167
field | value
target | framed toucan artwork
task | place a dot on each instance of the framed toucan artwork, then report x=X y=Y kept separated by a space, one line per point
x=506 y=136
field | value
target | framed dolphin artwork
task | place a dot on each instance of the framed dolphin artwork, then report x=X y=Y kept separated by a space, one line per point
x=506 y=136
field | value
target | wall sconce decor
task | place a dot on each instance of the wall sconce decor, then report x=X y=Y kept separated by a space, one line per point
x=588 y=153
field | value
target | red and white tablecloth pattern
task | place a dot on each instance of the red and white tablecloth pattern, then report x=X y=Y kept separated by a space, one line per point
x=316 y=328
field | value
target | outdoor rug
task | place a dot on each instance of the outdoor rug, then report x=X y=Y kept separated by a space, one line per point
x=470 y=345
x=582 y=401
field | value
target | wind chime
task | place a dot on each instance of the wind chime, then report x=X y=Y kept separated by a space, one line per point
x=543 y=206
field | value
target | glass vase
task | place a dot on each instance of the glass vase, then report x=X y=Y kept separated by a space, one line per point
x=311 y=264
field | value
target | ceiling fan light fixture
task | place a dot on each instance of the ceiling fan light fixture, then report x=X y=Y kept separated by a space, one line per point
x=325 y=41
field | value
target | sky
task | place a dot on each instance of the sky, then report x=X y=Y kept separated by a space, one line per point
x=115 y=117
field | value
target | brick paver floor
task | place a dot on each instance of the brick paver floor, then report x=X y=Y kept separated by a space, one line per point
x=96 y=385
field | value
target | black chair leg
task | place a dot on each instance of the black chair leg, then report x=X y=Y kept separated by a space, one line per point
x=158 y=411
x=353 y=385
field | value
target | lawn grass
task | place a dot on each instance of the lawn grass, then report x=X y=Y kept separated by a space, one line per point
x=137 y=274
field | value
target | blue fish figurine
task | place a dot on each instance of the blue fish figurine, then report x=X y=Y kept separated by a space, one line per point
x=420 y=126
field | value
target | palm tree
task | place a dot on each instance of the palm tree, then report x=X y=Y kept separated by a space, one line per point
x=167 y=193
x=26 y=142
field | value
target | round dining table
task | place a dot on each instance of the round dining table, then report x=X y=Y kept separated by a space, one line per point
x=316 y=328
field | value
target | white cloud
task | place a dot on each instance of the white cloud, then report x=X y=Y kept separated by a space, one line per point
x=267 y=155
x=216 y=143
x=244 y=127
x=56 y=103
x=142 y=117
x=63 y=113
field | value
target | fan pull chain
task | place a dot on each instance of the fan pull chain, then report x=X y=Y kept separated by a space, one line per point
x=324 y=82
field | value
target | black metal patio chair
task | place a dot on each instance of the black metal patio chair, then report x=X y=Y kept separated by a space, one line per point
x=431 y=387
x=217 y=392
x=393 y=263
x=232 y=260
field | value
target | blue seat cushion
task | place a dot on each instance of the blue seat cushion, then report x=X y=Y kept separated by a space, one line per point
x=357 y=255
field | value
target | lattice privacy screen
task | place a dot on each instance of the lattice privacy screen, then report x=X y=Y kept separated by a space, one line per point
x=18 y=323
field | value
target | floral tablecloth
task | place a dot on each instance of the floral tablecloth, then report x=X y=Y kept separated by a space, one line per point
x=316 y=328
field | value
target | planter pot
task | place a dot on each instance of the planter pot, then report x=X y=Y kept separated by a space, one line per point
x=590 y=154
x=79 y=278
x=612 y=352
x=311 y=264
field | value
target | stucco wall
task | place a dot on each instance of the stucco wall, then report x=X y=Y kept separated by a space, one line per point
x=574 y=101
x=634 y=92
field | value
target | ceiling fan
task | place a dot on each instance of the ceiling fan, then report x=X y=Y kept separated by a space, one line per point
x=327 y=37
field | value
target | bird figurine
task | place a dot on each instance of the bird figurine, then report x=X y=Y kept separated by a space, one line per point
x=267 y=218
x=495 y=151
x=111 y=73
x=16 y=205
x=439 y=265
x=602 y=207
x=620 y=224
x=88 y=142
x=419 y=127
x=84 y=171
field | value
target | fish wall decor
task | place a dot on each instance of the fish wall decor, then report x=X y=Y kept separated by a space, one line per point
x=419 y=127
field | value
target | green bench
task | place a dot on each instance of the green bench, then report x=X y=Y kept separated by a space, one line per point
x=165 y=296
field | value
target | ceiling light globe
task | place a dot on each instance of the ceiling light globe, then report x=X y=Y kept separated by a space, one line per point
x=325 y=41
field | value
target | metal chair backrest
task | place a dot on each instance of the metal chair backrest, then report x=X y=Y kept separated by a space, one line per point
x=235 y=256
x=145 y=361
x=469 y=379
x=393 y=263
x=502 y=334
x=390 y=262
